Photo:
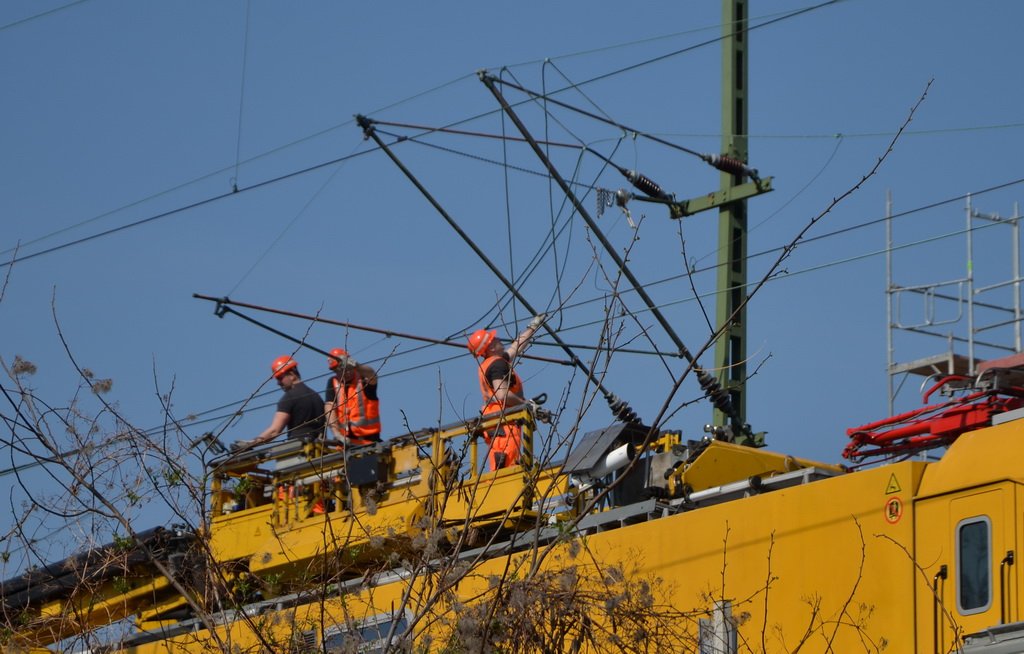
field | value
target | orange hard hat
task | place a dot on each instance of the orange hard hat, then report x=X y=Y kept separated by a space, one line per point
x=481 y=340
x=282 y=365
x=335 y=358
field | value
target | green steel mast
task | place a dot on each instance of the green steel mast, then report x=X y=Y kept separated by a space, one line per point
x=731 y=348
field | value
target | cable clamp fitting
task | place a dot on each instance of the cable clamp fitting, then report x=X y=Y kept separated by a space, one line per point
x=221 y=308
x=365 y=124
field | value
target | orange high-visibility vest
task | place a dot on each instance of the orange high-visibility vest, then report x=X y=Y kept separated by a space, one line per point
x=358 y=415
x=506 y=439
x=515 y=385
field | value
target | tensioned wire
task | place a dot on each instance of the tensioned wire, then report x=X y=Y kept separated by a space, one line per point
x=339 y=126
x=778 y=17
x=657 y=282
x=825 y=265
x=235 y=414
x=808 y=240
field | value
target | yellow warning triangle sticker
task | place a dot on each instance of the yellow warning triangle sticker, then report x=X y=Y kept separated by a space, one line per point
x=893 y=486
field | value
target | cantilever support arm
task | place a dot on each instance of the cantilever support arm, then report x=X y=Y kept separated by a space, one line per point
x=707 y=382
x=619 y=408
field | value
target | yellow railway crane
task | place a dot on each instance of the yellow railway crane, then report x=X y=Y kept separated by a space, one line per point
x=719 y=544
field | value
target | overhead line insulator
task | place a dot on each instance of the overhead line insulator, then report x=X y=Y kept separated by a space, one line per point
x=714 y=391
x=731 y=165
x=646 y=185
x=621 y=410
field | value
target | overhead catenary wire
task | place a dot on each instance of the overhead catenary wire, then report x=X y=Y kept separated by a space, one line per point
x=299 y=214
x=556 y=294
x=233 y=414
x=546 y=95
x=192 y=422
x=508 y=215
x=668 y=55
x=798 y=193
x=319 y=133
x=418 y=140
x=806 y=241
x=171 y=212
x=193 y=205
x=252 y=159
x=241 y=92
x=42 y=14
x=832 y=234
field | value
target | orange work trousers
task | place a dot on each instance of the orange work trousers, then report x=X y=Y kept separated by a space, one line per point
x=505 y=442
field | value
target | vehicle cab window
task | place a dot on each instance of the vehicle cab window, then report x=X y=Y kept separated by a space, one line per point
x=974 y=565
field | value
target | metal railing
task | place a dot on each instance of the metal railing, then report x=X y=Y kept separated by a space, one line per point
x=321 y=476
x=956 y=306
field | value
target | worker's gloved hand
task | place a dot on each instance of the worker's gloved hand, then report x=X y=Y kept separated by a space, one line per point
x=238 y=446
x=538 y=320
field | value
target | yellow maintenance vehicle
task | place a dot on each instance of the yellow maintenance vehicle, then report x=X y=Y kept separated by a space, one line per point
x=639 y=540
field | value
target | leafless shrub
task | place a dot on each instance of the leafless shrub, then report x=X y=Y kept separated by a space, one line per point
x=565 y=608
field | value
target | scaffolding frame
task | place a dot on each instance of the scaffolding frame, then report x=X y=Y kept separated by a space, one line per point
x=962 y=294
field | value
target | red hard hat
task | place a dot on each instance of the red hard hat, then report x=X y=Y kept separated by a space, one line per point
x=282 y=365
x=335 y=358
x=481 y=340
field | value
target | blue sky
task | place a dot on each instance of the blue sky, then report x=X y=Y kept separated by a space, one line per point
x=117 y=112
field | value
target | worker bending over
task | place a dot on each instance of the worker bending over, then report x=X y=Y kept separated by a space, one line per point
x=501 y=387
x=351 y=405
x=300 y=409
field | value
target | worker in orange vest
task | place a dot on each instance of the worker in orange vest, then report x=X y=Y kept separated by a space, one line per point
x=351 y=404
x=501 y=387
